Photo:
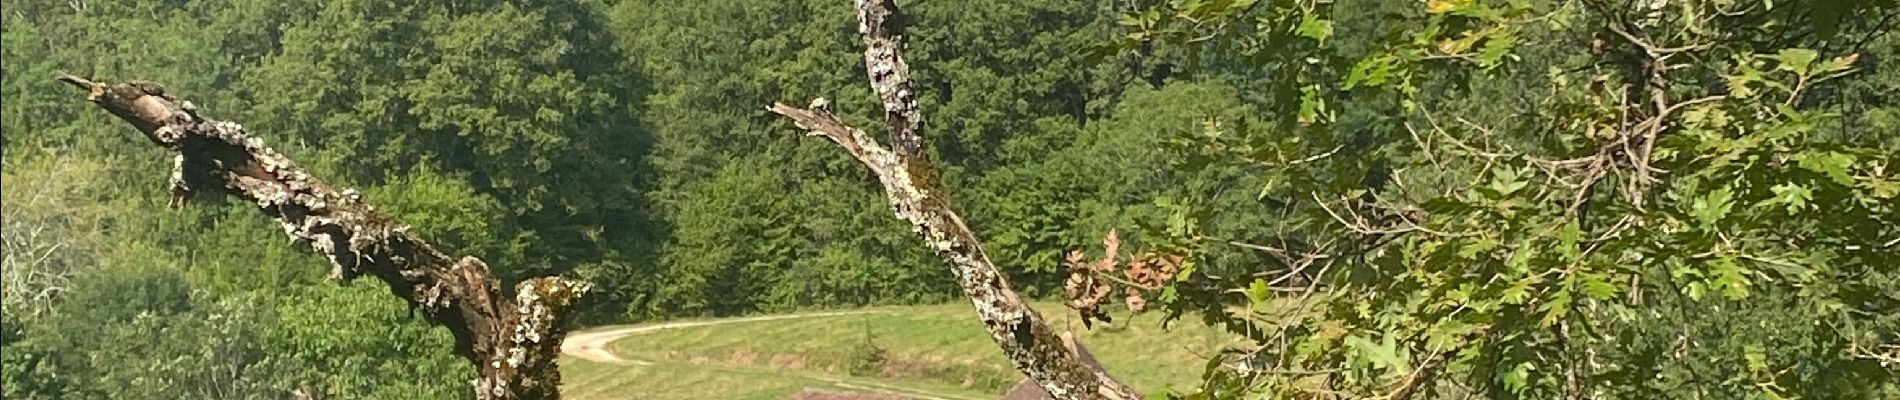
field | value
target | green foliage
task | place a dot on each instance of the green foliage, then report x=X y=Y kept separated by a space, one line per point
x=711 y=268
x=139 y=329
x=359 y=343
x=54 y=228
x=205 y=352
x=867 y=357
x=1538 y=224
x=446 y=209
x=999 y=111
x=1429 y=150
x=512 y=95
x=26 y=368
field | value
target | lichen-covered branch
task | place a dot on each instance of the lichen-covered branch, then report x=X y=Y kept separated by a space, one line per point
x=883 y=29
x=1032 y=344
x=917 y=196
x=512 y=342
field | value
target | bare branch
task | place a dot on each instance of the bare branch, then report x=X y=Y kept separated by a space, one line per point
x=821 y=122
x=917 y=196
x=1427 y=371
x=1022 y=333
x=513 y=343
x=1653 y=51
x=883 y=29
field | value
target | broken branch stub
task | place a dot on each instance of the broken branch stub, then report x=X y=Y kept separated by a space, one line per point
x=513 y=343
x=917 y=196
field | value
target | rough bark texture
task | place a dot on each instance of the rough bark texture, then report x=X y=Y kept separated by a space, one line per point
x=917 y=196
x=883 y=29
x=1028 y=389
x=512 y=342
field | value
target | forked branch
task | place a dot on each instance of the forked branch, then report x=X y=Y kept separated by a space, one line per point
x=513 y=343
x=917 y=196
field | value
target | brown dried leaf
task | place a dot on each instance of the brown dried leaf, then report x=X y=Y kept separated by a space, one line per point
x=1135 y=302
x=1139 y=273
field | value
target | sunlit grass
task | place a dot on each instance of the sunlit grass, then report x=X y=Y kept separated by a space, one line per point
x=940 y=350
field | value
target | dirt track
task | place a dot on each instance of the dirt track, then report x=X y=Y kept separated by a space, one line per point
x=592 y=345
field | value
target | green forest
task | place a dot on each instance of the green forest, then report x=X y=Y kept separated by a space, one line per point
x=1513 y=199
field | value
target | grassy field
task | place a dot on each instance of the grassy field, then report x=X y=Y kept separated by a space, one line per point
x=926 y=351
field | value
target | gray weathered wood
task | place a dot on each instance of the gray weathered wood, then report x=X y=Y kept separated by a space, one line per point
x=512 y=342
x=916 y=195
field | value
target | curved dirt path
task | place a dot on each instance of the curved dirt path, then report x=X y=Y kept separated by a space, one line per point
x=592 y=345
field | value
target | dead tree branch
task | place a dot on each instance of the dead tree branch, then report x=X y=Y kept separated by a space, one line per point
x=512 y=342
x=917 y=196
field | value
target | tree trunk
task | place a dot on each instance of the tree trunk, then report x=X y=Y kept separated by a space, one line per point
x=917 y=195
x=512 y=342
